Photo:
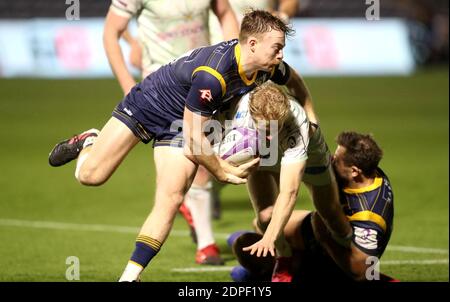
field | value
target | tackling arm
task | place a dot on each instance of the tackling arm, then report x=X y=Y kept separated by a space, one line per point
x=200 y=151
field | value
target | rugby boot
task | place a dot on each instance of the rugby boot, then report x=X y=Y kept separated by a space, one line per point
x=282 y=270
x=69 y=149
x=186 y=213
x=209 y=255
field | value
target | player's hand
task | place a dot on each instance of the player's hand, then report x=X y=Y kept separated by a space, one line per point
x=233 y=179
x=261 y=248
x=244 y=170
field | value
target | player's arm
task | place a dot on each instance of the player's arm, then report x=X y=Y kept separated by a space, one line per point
x=135 y=49
x=200 y=151
x=204 y=97
x=351 y=260
x=115 y=25
x=283 y=74
x=299 y=90
x=287 y=9
x=227 y=18
x=290 y=179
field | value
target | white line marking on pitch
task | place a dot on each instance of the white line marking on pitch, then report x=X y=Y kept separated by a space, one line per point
x=178 y=233
x=414 y=249
x=413 y=262
x=382 y=263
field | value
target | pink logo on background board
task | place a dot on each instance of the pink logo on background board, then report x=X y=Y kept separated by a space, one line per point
x=320 y=47
x=72 y=48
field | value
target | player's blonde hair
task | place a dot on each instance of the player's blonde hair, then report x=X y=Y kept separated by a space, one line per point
x=257 y=22
x=270 y=103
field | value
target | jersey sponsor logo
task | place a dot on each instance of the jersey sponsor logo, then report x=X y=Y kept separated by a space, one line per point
x=366 y=238
x=205 y=95
x=241 y=114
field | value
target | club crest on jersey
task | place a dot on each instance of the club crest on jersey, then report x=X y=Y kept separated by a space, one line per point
x=205 y=95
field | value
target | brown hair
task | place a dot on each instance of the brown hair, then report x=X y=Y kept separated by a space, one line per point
x=269 y=102
x=361 y=151
x=260 y=21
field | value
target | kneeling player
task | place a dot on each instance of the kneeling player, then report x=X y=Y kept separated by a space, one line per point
x=367 y=200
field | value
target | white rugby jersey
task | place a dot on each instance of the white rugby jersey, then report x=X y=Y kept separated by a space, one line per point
x=294 y=137
x=239 y=7
x=166 y=29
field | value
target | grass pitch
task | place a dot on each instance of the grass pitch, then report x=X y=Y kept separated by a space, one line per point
x=46 y=216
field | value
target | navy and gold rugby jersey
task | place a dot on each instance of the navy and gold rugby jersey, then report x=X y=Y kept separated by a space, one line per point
x=370 y=211
x=203 y=80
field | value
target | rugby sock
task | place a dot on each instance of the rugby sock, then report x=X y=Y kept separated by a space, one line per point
x=80 y=161
x=146 y=249
x=89 y=141
x=198 y=201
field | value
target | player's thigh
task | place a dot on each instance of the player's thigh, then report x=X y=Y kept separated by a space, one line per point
x=202 y=177
x=174 y=171
x=294 y=229
x=111 y=146
x=263 y=188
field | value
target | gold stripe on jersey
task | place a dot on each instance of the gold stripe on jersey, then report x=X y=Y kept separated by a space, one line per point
x=237 y=53
x=376 y=184
x=215 y=73
x=369 y=216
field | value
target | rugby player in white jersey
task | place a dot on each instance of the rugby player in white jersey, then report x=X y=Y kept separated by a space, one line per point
x=166 y=30
x=299 y=153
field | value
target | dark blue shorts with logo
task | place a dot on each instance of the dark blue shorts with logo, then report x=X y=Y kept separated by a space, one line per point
x=148 y=124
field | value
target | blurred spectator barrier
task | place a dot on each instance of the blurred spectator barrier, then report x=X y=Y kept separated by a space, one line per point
x=56 y=48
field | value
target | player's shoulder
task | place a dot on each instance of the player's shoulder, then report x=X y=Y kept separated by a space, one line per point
x=298 y=114
x=127 y=7
x=221 y=56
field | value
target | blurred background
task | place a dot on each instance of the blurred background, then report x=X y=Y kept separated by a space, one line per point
x=388 y=77
x=333 y=37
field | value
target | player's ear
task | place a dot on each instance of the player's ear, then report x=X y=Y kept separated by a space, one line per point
x=252 y=41
x=356 y=171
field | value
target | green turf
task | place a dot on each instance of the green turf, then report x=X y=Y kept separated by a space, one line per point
x=407 y=115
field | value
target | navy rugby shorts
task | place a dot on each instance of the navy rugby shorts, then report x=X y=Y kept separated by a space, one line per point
x=146 y=122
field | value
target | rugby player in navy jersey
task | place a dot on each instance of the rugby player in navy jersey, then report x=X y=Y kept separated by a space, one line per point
x=184 y=93
x=367 y=200
x=166 y=32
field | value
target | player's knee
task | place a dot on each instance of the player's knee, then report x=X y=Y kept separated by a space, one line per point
x=173 y=199
x=91 y=176
x=358 y=267
x=358 y=272
x=264 y=217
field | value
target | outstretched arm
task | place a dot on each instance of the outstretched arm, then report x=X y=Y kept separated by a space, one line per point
x=290 y=178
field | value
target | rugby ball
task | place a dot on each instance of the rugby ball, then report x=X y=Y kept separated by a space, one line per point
x=239 y=146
